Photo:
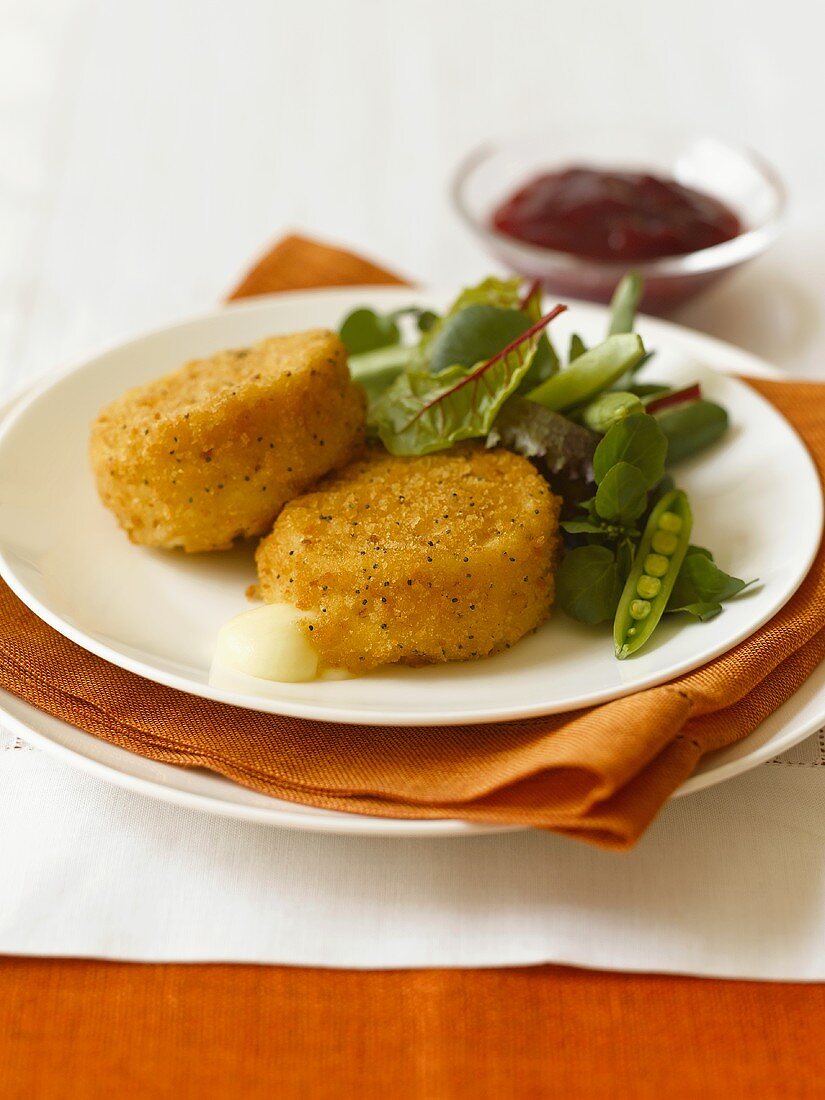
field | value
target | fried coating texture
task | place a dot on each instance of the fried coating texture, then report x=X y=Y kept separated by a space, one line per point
x=213 y=451
x=446 y=557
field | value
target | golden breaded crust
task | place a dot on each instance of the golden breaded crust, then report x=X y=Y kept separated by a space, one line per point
x=213 y=451
x=446 y=557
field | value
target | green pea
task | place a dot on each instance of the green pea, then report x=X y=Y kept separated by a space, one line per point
x=648 y=587
x=653 y=575
x=664 y=542
x=670 y=522
x=656 y=565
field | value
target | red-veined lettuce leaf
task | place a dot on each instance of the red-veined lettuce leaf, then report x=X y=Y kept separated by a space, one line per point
x=421 y=413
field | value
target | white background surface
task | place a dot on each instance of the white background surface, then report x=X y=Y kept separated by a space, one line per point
x=147 y=151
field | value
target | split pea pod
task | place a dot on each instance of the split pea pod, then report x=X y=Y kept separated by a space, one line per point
x=656 y=566
x=595 y=370
x=625 y=302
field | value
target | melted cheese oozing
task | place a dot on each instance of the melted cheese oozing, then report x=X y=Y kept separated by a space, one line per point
x=267 y=643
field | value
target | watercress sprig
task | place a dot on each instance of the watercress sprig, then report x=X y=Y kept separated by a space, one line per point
x=628 y=463
x=702 y=587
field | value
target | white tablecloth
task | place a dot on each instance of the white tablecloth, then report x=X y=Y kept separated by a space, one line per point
x=147 y=151
x=728 y=882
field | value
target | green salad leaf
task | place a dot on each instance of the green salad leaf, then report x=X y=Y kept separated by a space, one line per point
x=556 y=443
x=560 y=449
x=637 y=440
x=702 y=587
x=589 y=584
x=482 y=321
x=690 y=427
x=600 y=531
x=494 y=292
x=583 y=527
x=474 y=334
x=503 y=293
x=365 y=330
x=648 y=389
x=622 y=493
x=423 y=412
x=375 y=350
x=425 y=319
x=545 y=362
x=577 y=348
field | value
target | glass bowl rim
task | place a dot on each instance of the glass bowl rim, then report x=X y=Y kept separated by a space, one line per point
x=716 y=257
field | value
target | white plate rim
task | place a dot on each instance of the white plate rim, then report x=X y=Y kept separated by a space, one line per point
x=352 y=824
x=352 y=715
x=341 y=823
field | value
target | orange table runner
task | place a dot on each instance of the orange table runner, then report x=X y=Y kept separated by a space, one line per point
x=114 y=1031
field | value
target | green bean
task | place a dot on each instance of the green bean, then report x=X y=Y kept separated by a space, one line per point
x=649 y=389
x=656 y=566
x=692 y=427
x=625 y=302
x=594 y=371
x=608 y=408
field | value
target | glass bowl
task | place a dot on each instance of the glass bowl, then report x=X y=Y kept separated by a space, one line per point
x=737 y=176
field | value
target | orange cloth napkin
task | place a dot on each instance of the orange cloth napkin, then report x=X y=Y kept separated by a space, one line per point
x=601 y=774
x=75 y=1030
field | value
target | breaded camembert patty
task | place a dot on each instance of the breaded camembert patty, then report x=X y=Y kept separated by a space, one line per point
x=213 y=451
x=446 y=557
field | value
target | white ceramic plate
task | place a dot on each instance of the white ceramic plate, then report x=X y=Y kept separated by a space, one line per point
x=802 y=715
x=157 y=613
